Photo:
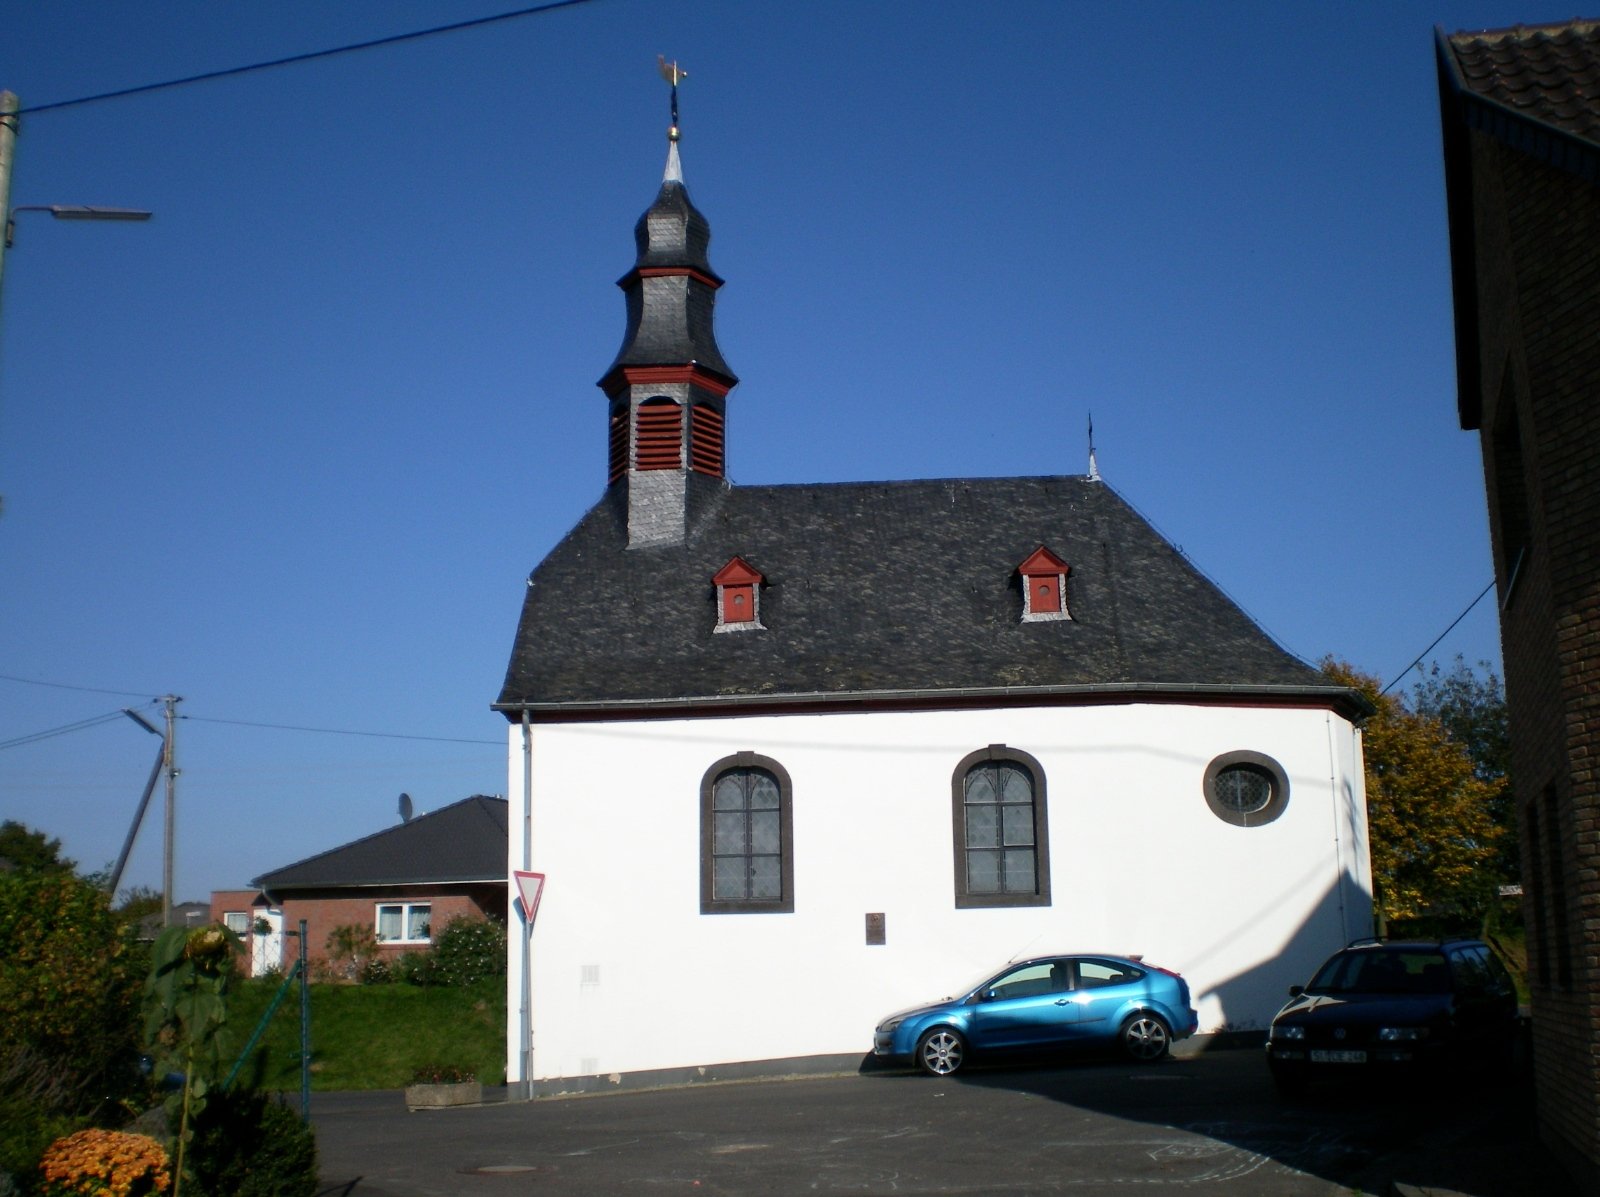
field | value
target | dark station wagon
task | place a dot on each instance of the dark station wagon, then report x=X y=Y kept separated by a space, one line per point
x=1383 y=1006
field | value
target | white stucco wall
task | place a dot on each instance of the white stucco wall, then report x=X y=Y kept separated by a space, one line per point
x=628 y=975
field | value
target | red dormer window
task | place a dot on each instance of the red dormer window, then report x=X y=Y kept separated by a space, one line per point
x=1044 y=586
x=738 y=596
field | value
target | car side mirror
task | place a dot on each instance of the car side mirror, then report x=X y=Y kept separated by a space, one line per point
x=1296 y=990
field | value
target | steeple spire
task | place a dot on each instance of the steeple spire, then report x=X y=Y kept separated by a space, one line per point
x=668 y=385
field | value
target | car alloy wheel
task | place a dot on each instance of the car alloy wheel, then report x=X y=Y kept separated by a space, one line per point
x=940 y=1052
x=1145 y=1038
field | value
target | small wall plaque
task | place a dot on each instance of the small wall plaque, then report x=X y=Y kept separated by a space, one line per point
x=875 y=930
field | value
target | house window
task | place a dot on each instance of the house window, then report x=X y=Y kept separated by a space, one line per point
x=738 y=596
x=1510 y=489
x=1044 y=586
x=746 y=837
x=1001 y=836
x=1559 y=946
x=237 y=921
x=405 y=922
x=1247 y=789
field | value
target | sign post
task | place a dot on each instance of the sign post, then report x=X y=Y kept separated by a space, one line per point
x=530 y=888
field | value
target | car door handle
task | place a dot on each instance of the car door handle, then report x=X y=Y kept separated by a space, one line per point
x=1063 y=1002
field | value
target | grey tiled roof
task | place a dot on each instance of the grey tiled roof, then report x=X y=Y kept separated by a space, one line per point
x=465 y=841
x=897 y=590
x=1546 y=73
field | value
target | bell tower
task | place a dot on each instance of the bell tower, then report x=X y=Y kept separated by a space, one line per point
x=668 y=386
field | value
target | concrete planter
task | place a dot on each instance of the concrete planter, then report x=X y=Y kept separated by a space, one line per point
x=433 y=1097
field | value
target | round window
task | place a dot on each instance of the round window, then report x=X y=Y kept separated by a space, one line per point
x=1246 y=789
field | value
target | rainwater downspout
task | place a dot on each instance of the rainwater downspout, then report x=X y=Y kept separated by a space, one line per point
x=1338 y=817
x=527 y=946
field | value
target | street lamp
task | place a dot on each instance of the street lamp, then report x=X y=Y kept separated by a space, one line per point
x=70 y=212
x=10 y=107
x=166 y=761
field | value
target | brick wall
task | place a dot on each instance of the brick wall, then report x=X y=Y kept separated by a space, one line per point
x=325 y=910
x=1538 y=246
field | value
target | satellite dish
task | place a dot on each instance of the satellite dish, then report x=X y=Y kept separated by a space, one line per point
x=405 y=808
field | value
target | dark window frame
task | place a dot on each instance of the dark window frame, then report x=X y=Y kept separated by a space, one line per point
x=965 y=899
x=784 y=903
x=1260 y=762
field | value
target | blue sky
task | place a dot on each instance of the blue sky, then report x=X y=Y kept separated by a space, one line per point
x=290 y=449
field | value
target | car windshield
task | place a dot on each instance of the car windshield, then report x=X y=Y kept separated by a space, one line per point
x=1388 y=970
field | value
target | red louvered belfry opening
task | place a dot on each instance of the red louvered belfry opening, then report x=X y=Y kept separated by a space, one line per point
x=660 y=442
x=617 y=455
x=705 y=440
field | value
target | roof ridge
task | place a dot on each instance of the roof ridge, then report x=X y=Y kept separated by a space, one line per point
x=1521 y=30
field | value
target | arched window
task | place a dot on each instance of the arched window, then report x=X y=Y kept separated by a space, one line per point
x=1001 y=835
x=746 y=837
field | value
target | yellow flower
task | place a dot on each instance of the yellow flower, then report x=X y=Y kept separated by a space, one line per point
x=105 y=1163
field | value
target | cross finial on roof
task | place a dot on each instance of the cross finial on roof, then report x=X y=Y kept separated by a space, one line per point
x=673 y=74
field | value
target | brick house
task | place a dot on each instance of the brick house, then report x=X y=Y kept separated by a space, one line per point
x=404 y=883
x=1521 y=120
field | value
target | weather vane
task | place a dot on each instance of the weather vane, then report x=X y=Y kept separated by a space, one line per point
x=671 y=72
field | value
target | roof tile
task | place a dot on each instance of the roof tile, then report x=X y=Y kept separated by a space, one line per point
x=1549 y=73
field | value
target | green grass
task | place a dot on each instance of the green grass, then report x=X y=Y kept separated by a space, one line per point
x=373 y=1036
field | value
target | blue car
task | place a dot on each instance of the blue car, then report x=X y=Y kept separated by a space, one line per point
x=1043 y=1004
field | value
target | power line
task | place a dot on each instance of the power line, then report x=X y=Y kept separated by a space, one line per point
x=1438 y=638
x=81 y=725
x=535 y=10
x=339 y=731
x=97 y=720
x=28 y=681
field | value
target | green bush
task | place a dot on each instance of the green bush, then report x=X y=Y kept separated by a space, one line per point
x=467 y=951
x=351 y=948
x=415 y=968
x=69 y=999
x=248 y=1144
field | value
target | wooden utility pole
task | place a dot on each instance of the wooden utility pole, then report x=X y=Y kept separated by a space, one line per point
x=9 y=107
x=169 y=764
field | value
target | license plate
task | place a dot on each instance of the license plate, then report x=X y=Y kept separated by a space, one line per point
x=1339 y=1057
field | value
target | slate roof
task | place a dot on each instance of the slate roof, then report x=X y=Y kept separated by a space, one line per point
x=891 y=590
x=465 y=841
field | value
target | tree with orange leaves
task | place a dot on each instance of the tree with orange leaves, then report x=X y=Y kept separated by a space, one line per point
x=1429 y=814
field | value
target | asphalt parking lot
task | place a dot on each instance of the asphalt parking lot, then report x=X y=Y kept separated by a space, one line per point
x=1211 y=1123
